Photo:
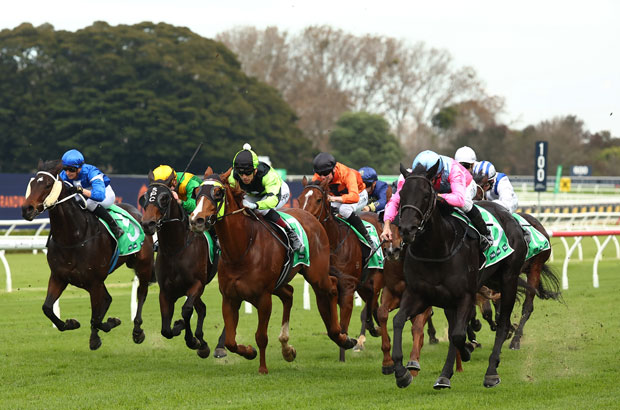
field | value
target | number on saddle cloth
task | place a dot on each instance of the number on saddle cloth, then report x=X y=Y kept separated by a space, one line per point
x=133 y=238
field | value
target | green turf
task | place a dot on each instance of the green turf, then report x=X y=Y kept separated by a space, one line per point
x=568 y=357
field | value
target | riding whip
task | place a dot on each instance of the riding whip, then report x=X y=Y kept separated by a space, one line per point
x=192 y=158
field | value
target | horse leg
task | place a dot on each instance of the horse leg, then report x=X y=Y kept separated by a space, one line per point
x=166 y=308
x=533 y=280
x=285 y=293
x=264 y=313
x=371 y=306
x=432 y=333
x=509 y=295
x=417 y=333
x=409 y=307
x=230 y=313
x=55 y=287
x=361 y=339
x=143 y=289
x=443 y=381
x=346 y=309
x=326 y=293
x=193 y=293
x=458 y=331
x=220 y=349
x=100 y=301
x=389 y=302
x=487 y=314
x=201 y=312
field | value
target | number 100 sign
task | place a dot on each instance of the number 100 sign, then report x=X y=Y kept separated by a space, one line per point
x=540 y=166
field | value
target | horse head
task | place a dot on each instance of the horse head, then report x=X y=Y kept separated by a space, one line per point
x=45 y=190
x=393 y=248
x=481 y=180
x=417 y=200
x=313 y=199
x=156 y=203
x=215 y=196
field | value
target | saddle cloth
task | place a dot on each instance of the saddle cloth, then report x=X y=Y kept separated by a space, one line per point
x=133 y=238
x=376 y=260
x=536 y=241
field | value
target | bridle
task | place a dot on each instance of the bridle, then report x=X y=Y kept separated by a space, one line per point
x=153 y=197
x=425 y=216
x=324 y=206
x=206 y=190
x=51 y=200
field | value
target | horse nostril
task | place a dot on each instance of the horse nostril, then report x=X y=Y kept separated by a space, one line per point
x=199 y=221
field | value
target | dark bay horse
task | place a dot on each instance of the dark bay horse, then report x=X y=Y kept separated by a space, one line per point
x=442 y=269
x=251 y=263
x=81 y=251
x=541 y=279
x=183 y=267
x=346 y=255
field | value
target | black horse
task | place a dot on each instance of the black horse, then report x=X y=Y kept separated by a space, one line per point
x=183 y=267
x=81 y=252
x=442 y=269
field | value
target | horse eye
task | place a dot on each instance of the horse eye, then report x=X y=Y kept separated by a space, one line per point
x=320 y=199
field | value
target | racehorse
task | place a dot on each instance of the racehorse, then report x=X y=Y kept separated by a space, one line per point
x=442 y=268
x=541 y=279
x=346 y=255
x=183 y=267
x=251 y=263
x=81 y=252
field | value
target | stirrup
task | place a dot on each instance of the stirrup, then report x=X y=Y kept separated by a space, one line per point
x=485 y=242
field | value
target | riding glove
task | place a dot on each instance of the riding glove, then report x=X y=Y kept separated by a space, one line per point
x=249 y=205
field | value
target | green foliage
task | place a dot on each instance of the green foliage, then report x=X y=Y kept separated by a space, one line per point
x=132 y=97
x=445 y=118
x=363 y=139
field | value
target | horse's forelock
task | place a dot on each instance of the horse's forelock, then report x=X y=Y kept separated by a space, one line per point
x=419 y=170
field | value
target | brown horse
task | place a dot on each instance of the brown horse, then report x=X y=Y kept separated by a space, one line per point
x=346 y=255
x=81 y=252
x=183 y=266
x=542 y=281
x=251 y=263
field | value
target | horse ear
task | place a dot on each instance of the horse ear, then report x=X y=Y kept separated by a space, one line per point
x=168 y=181
x=432 y=172
x=151 y=176
x=225 y=175
x=208 y=171
x=403 y=170
x=304 y=181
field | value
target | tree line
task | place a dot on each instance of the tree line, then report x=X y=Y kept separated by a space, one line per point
x=134 y=96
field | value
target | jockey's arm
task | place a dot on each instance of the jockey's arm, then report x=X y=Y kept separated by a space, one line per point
x=272 y=183
x=97 y=190
x=391 y=210
x=457 y=181
x=350 y=181
x=507 y=196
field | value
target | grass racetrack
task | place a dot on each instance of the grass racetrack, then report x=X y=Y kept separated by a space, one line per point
x=568 y=357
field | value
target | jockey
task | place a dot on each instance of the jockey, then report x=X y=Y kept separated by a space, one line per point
x=347 y=191
x=379 y=192
x=455 y=186
x=497 y=186
x=182 y=184
x=93 y=184
x=466 y=157
x=265 y=190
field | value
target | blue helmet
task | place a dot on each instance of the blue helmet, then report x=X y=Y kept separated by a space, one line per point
x=428 y=159
x=73 y=158
x=369 y=175
x=485 y=168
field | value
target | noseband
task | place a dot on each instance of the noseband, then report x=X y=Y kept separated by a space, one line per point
x=425 y=216
x=52 y=198
x=153 y=196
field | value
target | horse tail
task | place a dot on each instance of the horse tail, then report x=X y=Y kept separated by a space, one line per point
x=549 y=286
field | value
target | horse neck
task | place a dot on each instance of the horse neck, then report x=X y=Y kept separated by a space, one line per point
x=173 y=234
x=234 y=231
x=438 y=235
x=68 y=222
x=332 y=228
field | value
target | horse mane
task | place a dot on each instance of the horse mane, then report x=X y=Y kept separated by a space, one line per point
x=52 y=166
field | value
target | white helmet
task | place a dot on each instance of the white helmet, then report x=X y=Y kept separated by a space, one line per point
x=465 y=154
x=485 y=168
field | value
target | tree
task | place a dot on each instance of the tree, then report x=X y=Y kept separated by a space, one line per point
x=363 y=139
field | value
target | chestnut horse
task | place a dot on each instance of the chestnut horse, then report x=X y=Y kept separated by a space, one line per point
x=183 y=267
x=251 y=263
x=346 y=256
x=81 y=252
x=541 y=279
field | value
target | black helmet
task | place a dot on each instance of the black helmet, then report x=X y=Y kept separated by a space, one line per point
x=324 y=163
x=246 y=159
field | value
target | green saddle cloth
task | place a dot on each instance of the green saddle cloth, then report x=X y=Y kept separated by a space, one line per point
x=211 y=243
x=303 y=259
x=500 y=248
x=536 y=241
x=376 y=260
x=133 y=238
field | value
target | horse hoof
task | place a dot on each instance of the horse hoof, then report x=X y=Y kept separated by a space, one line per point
x=515 y=344
x=252 y=355
x=71 y=324
x=475 y=344
x=442 y=383
x=387 y=370
x=350 y=343
x=219 y=353
x=138 y=336
x=433 y=341
x=466 y=352
x=95 y=343
x=373 y=332
x=203 y=353
x=413 y=365
x=404 y=380
x=113 y=322
x=193 y=344
x=491 y=381
x=358 y=347
x=476 y=325
x=290 y=355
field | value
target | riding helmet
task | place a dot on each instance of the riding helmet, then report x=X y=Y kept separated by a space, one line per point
x=369 y=175
x=485 y=168
x=73 y=158
x=324 y=163
x=428 y=159
x=246 y=159
x=163 y=172
x=465 y=154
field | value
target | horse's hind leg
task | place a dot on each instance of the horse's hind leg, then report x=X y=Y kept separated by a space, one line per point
x=533 y=280
x=220 y=349
x=389 y=302
x=55 y=288
x=432 y=333
x=285 y=293
x=361 y=339
x=201 y=311
x=417 y=332
x=346 y=310
x=100 y=301
x=326 y=293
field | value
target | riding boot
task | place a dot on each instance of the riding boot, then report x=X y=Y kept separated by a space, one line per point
x=357 y=223
x=296 y=244
x=486 y=239
x=103 y=213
